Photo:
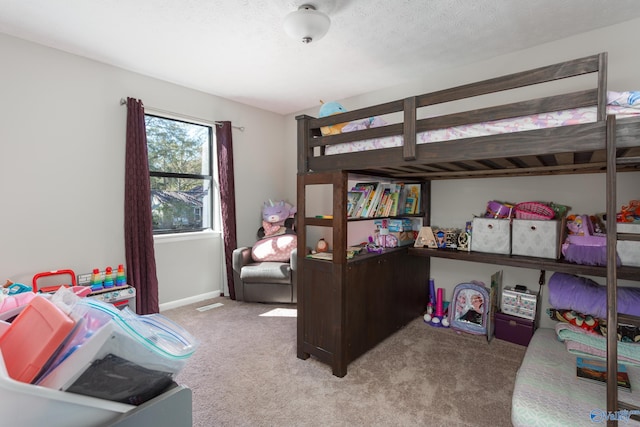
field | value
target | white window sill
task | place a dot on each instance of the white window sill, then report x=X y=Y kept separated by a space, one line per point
x=179 y=237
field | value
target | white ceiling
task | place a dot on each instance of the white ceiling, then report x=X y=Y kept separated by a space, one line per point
x=238 y=50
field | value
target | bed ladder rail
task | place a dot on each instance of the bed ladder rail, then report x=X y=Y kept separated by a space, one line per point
x=628 y=319
x=628 y=161
x=614 y=406
x=633 y=410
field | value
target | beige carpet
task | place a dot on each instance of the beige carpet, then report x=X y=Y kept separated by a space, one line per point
x=245 y=373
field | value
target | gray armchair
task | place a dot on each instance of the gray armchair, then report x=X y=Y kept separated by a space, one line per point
x=273 y=282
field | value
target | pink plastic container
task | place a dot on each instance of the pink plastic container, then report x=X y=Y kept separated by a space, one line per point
x=33 y=337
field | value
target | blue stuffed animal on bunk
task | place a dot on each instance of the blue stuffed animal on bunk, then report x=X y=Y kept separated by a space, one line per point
x=330 y=108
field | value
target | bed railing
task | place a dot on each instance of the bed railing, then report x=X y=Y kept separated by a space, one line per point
x=311 y=144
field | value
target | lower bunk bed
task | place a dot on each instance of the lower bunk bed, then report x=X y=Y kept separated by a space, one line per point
x=547 y=391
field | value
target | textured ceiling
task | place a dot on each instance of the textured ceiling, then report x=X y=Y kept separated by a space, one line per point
x=237 y=49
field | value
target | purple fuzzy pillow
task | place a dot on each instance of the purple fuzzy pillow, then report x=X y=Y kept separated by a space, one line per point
x=569 y=292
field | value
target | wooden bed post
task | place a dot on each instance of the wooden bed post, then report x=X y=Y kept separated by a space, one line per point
x=602 y=87
x=612 y=277
x=304 y=152
x=409 y=131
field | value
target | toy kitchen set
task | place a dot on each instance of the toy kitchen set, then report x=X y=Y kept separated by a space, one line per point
x=110 y=287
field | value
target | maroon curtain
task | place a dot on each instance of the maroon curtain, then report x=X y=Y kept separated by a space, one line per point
x=227 y=197
x=138 y=227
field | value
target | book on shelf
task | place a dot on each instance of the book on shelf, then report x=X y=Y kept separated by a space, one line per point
x=327 y=256
x=385 y=190
x=596 y=370
x=402 y=198
x=395 y=200
x=354 y=201
x=389 y=204
x=380 y=200
x=368 y=188
x=413 y=196
x=375 y=200
x=410 y=205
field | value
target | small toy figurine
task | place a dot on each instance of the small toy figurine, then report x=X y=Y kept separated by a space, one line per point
x=574 y=225
x=630 y=213
x=11 y=288
x=322 y=246
x=439 y=318
x=373 y=247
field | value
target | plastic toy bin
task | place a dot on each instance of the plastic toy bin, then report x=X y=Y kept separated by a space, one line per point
x=27 y=405
x=41 y=333
x=33 y=337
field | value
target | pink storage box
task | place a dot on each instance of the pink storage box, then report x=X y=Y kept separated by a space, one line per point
x=33 y=337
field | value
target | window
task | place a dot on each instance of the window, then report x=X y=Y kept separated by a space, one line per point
x=181 y=172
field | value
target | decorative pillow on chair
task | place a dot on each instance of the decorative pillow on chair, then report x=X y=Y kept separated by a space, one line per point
x=275 y=248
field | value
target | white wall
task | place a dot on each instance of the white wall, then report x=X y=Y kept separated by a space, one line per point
x=62 y=140
x=62 y=145
x=455 y=201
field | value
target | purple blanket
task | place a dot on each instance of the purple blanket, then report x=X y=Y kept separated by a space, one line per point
x=569 y=292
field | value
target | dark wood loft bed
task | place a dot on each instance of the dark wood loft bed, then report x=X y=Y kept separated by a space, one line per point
x=570 y=149
x=329 y=306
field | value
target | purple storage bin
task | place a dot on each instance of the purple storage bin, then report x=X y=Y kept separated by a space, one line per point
x=497 y=209
x=514 y=329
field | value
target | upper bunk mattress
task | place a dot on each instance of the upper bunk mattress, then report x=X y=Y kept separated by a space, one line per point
x=622 y=104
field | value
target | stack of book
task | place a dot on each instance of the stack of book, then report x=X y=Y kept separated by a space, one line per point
x=596 y=370
x=376 y=199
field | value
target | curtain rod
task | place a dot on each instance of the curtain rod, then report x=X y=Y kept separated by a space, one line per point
x=219 y=124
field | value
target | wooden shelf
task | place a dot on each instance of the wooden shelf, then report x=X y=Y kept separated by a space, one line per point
x=629 y=273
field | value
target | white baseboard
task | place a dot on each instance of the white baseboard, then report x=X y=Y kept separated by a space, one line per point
x=189 y=300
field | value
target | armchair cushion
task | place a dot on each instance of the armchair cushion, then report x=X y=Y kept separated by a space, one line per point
x=269 y=281
x=275 y=248
x=266 y=272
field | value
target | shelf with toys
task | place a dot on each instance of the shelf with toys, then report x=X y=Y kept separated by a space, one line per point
x=350 y=304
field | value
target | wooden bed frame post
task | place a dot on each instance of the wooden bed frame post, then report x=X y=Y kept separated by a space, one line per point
x=602 y=87
x=301 y=231
x=409 y=129
x=304 y=152
x=612 y=278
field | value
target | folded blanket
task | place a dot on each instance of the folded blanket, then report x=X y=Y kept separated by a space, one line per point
x=584 y=350
x=583 y=295
x=581 y=342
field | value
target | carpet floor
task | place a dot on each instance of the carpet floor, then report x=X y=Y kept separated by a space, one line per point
x=245 y=373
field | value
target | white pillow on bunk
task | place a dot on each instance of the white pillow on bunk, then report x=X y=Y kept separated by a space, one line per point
x=629 y=99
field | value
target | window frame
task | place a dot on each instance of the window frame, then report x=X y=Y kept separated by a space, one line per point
x=213 y=197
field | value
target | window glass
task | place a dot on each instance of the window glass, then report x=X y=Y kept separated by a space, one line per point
x=180 y=167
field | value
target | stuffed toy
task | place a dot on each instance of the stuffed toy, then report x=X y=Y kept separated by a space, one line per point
x=277 y=218
x=630 y=213
x=276 y=237
x=329 y=109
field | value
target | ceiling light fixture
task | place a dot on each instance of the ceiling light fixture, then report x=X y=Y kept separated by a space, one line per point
x=306 y=24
